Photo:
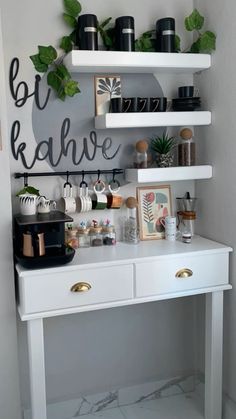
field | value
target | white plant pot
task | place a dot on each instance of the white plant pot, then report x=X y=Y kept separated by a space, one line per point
x=28 y=204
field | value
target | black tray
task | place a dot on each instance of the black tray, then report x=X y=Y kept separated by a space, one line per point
x=54 y=256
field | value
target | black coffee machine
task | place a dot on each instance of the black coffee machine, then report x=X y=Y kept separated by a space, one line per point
x=39 y=240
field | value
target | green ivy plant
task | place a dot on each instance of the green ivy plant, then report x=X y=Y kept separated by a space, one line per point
x=205 y=41
x=59 y=77
x=28 y=190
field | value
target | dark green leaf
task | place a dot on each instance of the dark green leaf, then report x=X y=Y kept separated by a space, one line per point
x=146 y=42
x=104 y=23
x=72 y=7
x=70 y=20
x=195 y=48
x=62 y=72
x=71 y=88
x=28 y=189
x=72 y=37
x=66 y=44
x=207 y=42
x=47 y=54
x=39 y=66
x=177 y=43
x=54 y=80
x=194 y=21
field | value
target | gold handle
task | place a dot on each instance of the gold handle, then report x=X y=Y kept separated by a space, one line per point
x=81 y=287
x=184 y=273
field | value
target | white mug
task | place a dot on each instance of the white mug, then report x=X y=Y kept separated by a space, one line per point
x=68 y=200
x=169 y=223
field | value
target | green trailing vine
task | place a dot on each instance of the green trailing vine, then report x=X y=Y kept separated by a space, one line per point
x=59 y=77
x=205 y=41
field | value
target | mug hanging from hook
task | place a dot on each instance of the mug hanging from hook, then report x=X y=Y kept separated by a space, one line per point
x=67 y=183
x=99 y=186
x=114 y=184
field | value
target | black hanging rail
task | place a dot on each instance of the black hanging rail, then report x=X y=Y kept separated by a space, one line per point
x=113 y=172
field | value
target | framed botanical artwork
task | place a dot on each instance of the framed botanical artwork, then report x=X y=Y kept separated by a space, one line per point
x=154 y=203
x=106 y=87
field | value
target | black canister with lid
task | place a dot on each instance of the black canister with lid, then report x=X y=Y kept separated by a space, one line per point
x=165 y=35
x=124 y=33
x=86 y=32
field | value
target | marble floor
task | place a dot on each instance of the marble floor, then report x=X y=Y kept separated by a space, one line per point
x=183 y=406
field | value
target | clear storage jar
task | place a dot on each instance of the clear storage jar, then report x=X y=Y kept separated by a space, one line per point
x=83 y=236
x=71 y=238
x=96 y=236
x=109 y=235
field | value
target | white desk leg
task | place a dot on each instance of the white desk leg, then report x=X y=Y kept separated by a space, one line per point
x=213 y=355
x=37 y=369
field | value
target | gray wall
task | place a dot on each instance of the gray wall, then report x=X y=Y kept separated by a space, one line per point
x=9 y=381
x=217 y=145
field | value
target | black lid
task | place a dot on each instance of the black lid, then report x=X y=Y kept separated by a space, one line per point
x=87 y=20
x=167 y=23
x=125 y=22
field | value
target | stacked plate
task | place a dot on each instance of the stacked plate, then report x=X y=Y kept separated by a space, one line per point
x=186 y=103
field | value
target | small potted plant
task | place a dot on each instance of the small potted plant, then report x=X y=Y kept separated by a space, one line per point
x=164 y=147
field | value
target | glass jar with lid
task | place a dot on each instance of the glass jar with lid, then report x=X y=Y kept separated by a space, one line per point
x=71 y=238
x=83 y=236
x=109 y=235
x=96 y=236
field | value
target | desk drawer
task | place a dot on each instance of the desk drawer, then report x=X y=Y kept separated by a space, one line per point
x=53 y=291
x=159 y=277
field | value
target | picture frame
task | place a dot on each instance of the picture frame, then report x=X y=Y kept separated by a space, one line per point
x=154 y=203
x=106 y=87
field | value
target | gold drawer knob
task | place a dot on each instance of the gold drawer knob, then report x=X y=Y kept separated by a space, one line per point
x=184 y=273
x=81 y=287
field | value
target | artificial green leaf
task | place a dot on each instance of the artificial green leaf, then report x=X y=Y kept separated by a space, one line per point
x=28 y=190
x=104 y=23
x=62 y=72
x=39 y=66
x=146 y=42
x=207 y=42
x=177 y=43
x=47 y=54
x=71 y=88
x=195 y=48
x=70 y=20
x=54 y=80
x=66 y=44
x=73 y=7
x=61 y=94
x=72 y=37
x=194 y=21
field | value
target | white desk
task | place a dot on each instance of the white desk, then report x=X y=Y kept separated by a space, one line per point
x=120 y=275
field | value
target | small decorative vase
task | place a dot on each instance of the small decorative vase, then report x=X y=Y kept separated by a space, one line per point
x=165 y=160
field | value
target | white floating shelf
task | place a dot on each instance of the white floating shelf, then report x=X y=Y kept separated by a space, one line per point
x=135 y=62
x=168 y=174
x=152 y=119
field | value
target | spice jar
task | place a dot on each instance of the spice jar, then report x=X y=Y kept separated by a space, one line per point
x=95 y=233
x=186 y=148
x=140 y=155
x=109 y=235
x=131 y=230
x=71 y=238
x=83 y=236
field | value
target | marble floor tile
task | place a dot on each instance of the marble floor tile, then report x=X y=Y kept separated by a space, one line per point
x=114 y=413
x=176 y=407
